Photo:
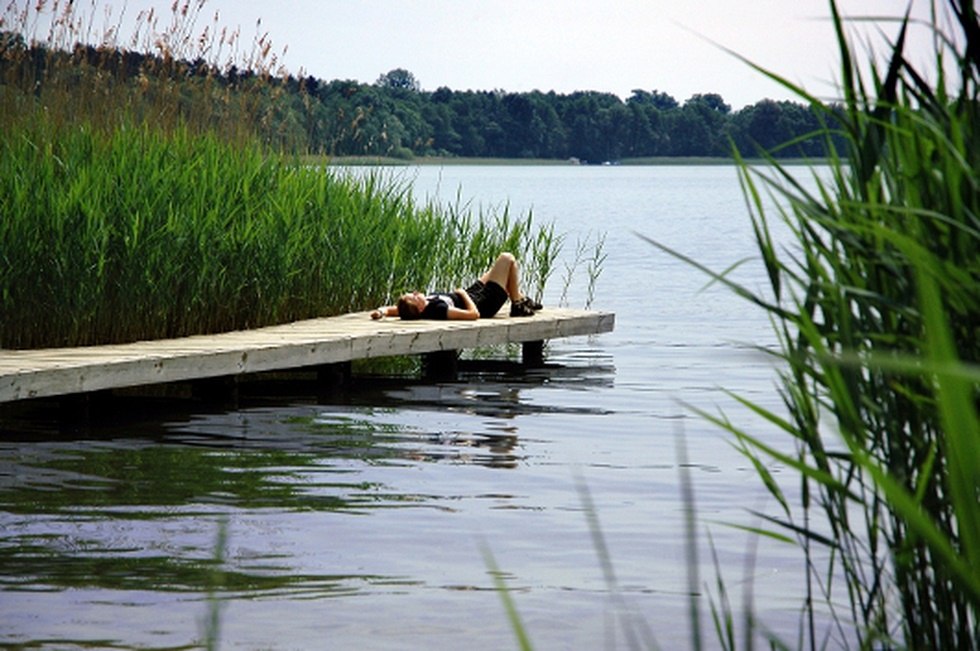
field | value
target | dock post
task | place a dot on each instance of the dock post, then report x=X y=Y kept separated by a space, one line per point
x=333 y=376
x=532 y=353
x=440 y=365
x=82 y=408
x=222 y=389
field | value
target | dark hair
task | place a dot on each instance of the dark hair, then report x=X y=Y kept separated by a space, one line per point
x=408 y=310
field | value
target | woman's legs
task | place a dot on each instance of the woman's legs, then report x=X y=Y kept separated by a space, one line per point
x=505 y=273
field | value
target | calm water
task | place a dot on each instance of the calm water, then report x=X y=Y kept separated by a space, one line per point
x=363 y=520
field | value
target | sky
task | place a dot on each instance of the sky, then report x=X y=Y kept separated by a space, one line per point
x=673 y=46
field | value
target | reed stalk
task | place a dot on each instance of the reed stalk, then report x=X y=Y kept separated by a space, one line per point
x=142 y=195
x=876 y=306
x=140 y=234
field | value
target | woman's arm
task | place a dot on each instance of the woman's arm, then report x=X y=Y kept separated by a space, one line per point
x=387 y=310
x=468 y=313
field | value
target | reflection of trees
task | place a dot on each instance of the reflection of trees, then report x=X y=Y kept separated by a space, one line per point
x=101 y=512
x=39 y=563
x=277 y=456
x=87 y=479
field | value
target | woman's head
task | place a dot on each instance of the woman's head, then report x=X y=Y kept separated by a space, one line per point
x=410 y=305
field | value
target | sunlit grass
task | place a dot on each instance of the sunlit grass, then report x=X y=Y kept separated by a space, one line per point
x=140 y=234
x=163 y=207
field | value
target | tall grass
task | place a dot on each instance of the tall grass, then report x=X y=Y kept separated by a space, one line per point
x=138 y=234
x=877 y=309
x=155 y=209
x=68 y=59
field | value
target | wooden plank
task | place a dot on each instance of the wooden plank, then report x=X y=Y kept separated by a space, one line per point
x=61 y=371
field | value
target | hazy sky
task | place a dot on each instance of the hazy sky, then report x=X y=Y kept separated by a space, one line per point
x=560 y=45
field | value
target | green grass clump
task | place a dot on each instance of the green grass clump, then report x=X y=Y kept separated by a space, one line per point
x=137 y=233
x=146 y=193
x=877 y=307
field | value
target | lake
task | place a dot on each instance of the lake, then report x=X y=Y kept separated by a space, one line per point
x=368 y=518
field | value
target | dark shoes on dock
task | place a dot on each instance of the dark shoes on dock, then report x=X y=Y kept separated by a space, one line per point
x=525 y=307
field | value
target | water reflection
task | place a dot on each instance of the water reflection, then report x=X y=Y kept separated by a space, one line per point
x=132 y=501
x=43 y=564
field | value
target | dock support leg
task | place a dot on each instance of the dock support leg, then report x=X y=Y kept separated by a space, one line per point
x=333 y=376
x=532 y=353
x=80 y=409
x=221 y=390
x=440 y=365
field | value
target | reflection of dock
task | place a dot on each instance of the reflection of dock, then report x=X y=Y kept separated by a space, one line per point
x=328 y=343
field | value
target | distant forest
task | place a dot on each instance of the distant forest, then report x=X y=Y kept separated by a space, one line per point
x=394 y=117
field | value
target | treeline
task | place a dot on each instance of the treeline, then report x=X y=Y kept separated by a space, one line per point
x=394 y=117
x=136 y=203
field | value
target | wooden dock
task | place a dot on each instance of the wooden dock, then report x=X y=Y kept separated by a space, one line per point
x=321 y=342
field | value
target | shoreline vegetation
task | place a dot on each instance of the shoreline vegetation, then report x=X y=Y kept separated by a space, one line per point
x=138 y=203
x=665 y=161
x=208 y=76
x=139 y=234
x=876 y=305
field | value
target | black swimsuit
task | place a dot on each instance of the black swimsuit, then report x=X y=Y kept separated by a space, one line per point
x=488 y=297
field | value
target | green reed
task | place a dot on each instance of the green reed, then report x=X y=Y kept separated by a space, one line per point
x=137 y=233
x=145 y=196
x=68 y=60
x=877 y=306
